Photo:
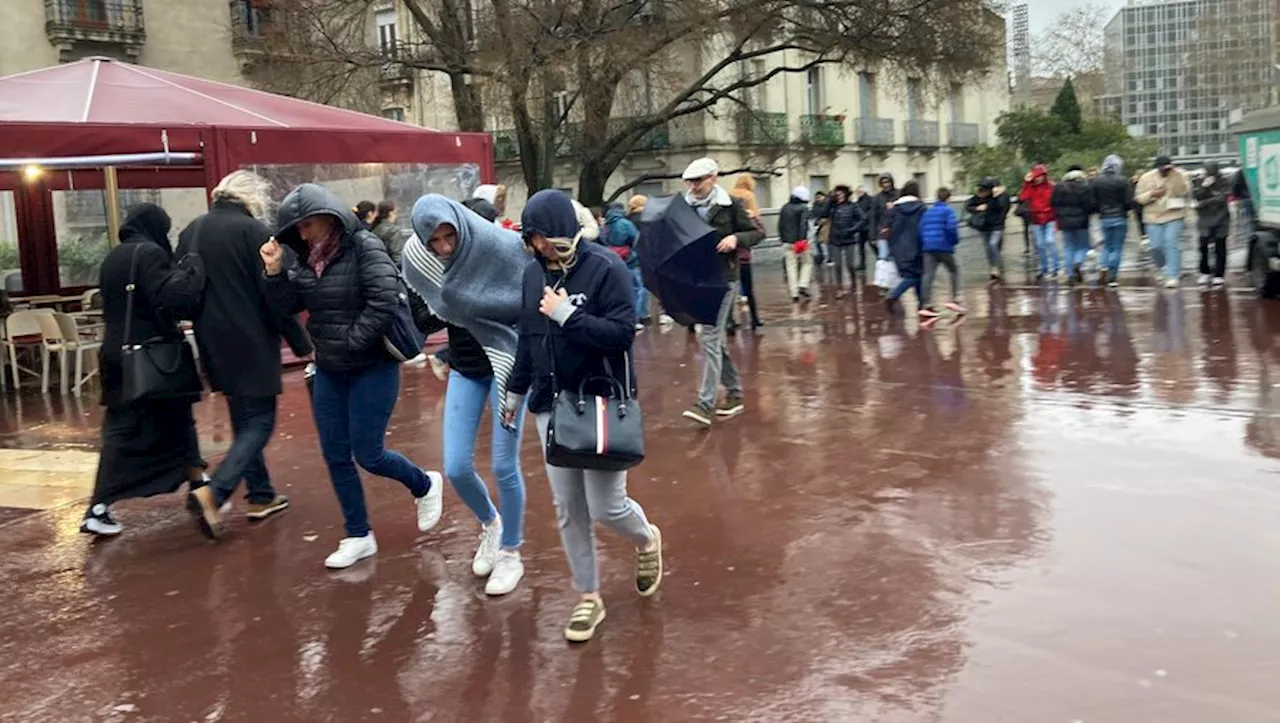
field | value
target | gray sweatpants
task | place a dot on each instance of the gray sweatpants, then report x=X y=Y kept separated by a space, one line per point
x=932 y=260
x=586 y=496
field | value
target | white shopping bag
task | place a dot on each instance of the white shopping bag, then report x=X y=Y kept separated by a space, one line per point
x=886 y=276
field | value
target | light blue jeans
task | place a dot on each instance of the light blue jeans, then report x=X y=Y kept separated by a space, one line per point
x=642 y=296
x=1114 y=231
x=1046 y=248
x=1168 y=238
x=464 y=402
x=1075 y=247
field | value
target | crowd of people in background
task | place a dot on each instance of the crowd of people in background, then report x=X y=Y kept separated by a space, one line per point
x=551 y=303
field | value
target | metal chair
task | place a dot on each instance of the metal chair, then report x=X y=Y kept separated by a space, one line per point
x=22 y=329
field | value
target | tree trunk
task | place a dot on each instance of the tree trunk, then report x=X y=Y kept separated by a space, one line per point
x=467 y=104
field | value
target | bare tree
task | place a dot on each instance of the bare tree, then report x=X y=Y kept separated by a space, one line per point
x=1073 y=44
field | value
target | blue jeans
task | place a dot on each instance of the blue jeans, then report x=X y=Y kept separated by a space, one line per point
x=908 y=282
x=351 y=410
x=1075 y=247
x=464 y=403
x=1114 y=231
x=253 y=419
x=993 y=243
x=1168 y=238
x=1046 y=248
x=642 y=296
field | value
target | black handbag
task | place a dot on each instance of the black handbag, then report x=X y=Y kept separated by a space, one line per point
x=588 y=431
x=155 y=368
x=404 y=340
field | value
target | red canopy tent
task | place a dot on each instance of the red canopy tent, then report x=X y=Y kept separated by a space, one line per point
x=192 y=132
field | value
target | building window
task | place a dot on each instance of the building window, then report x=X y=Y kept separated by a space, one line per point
x=813 y=91
x=913 y=98
x=764 y=191
x=386 y=23
x=819 y=183
x=955 y=101
x=395 y=114
x=867 y=95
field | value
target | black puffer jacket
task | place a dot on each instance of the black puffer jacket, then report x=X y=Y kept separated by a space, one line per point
x=793 y=221
x=1113 y=194
x=847 y=223
x=353 y=302
x=1213 y=213
x=1072 y=202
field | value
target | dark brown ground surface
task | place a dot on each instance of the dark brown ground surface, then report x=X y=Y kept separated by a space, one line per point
x=1061 y=510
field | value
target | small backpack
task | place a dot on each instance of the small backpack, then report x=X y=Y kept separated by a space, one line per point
x=189 y=278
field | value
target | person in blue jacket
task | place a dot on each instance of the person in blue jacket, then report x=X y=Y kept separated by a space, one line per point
x=577 y=324
x=939 y=236
x=620 y=236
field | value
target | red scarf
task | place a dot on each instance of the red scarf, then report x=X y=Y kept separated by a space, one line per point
x=323 y=251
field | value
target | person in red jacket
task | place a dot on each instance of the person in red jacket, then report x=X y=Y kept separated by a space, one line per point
x=1034 y=198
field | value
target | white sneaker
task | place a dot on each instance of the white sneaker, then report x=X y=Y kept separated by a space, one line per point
x=98 y=521
x=665 y=319
x=1171 y=284
x=431 y=505
x=1202 y=279
x=350 y=551
x=487 y=552
x=1219 y=281
x=507 y=571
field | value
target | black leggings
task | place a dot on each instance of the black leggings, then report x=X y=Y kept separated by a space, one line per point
x=749 y=291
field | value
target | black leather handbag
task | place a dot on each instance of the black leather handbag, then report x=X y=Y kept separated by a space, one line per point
x=589 y=431
x=155 y=368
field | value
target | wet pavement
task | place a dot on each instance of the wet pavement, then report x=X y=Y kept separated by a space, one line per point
x=1062 y=509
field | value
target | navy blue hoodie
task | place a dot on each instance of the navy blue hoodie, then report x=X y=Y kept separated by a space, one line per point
x=904 y=235
x=601 y=325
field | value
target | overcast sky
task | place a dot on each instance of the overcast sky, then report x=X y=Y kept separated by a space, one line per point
x=1042 y=12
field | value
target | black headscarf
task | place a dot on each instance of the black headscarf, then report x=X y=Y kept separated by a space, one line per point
x=148 y=222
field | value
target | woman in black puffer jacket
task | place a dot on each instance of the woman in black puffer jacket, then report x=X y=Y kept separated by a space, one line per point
x=346 y=280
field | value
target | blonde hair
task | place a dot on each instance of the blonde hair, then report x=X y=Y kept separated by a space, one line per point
x=745 y=190
x=247 y=189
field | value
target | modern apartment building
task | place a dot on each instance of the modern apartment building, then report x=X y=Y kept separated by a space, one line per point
x=817 y=129
x=1182 y=70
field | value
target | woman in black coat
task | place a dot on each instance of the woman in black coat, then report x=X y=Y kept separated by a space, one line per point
x=148 y=447
x=345 y=279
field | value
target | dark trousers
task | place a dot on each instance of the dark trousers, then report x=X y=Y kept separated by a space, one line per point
x=253 y=420
x=1218 y=242
x=351 y=410
x=843 y=258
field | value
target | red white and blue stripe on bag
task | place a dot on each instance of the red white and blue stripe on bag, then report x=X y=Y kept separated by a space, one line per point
x=602 y=425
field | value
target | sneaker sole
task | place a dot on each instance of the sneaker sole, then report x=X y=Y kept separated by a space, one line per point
x=87 y=529
x=499 y=592
x=264 y=514
x=206 y=517
x=730 y=411
x=651 y=591
x=704 y=421
x=582 y=636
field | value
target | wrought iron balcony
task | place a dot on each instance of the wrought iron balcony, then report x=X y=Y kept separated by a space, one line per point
x=95 y=23
x=874 y=132
x=762 y=129
x=823 y=131
x=505 y=147
x=962 y=135
x=393 y=73
x=656 y=139
x=252 y=26
x=922 y=134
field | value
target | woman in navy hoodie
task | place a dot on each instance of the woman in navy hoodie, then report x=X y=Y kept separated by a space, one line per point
x=578 y=321
x=903 y=223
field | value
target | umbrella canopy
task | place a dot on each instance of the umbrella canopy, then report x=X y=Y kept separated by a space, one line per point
x=679 y=262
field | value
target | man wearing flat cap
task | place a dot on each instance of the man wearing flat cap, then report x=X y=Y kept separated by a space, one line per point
x=734 y=230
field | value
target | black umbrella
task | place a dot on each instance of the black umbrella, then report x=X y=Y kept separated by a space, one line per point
x=679 y=262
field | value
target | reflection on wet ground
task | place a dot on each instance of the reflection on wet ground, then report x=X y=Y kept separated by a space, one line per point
x=1057 y=510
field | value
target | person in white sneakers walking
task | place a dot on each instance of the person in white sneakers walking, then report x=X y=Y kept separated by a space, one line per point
x=464 y=273
x=346 y=280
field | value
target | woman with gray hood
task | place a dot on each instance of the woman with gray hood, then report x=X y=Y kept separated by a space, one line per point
x=467 y=271
x=1113 y=196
